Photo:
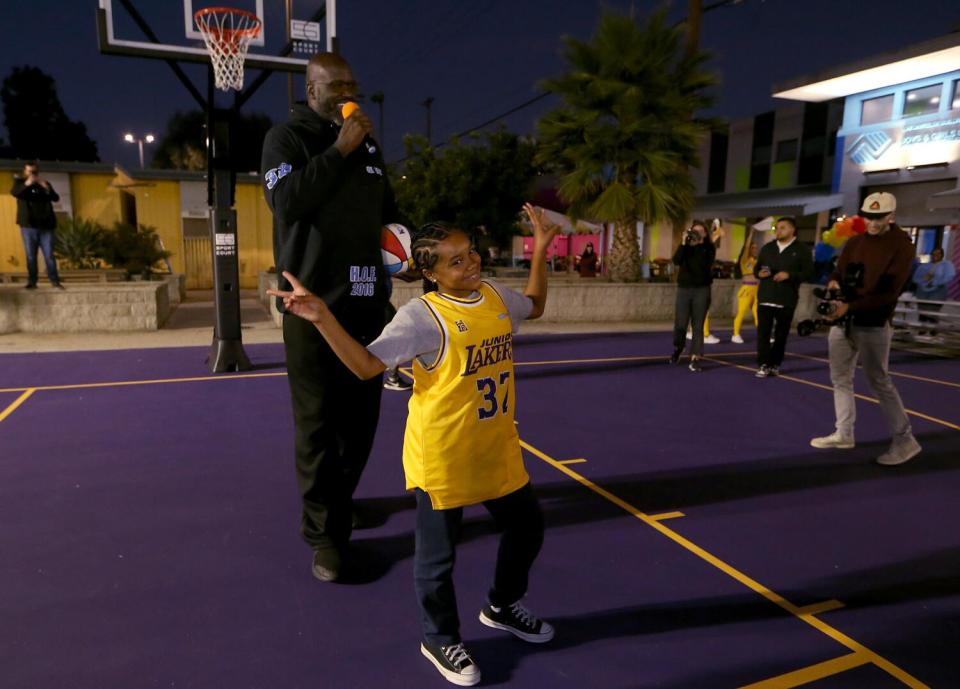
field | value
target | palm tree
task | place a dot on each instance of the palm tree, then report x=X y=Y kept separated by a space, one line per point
x=626 y=134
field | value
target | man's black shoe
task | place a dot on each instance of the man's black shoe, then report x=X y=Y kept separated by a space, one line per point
x=453 y=662
x=30 y=285
x=394 y=381
x=57 y=285
x=326 y=563
x=695 y=365
x=675 y=357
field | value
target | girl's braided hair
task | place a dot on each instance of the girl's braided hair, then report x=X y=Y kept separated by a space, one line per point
x=424 y=248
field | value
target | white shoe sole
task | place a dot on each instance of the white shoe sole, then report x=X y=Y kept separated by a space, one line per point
x=832 y=445
x=452 y=677
x=531 y=638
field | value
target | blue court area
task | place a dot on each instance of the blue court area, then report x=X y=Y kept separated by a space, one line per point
x=149 y=527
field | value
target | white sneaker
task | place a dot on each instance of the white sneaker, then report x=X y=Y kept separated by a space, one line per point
x=711 y=339
x=900 y=452
x=689 y=335
x=736 y=339
x=833 y=440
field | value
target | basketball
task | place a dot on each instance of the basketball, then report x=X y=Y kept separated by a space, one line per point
x=395 y=244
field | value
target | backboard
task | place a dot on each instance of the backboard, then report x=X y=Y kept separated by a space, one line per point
x=151 y=29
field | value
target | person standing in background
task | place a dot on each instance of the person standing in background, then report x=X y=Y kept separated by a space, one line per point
x=38 y=223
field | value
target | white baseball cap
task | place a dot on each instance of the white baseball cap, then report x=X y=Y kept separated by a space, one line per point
x=879 y=203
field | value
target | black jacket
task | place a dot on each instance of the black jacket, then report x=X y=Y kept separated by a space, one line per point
x=35 y=205
x=796 y=259
x=328 y=213
x=695 y=263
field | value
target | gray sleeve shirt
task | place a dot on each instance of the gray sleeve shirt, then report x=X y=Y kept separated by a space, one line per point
x=413 y=332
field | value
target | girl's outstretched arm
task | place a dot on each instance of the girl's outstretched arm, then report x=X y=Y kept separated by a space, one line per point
x=537 y=282
x=308 y=306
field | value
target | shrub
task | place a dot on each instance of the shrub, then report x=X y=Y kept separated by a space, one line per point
x=79 y=243
x=134 y=249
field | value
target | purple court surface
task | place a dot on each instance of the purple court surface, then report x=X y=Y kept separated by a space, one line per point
x=149 y=529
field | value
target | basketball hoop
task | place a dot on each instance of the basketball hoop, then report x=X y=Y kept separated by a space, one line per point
x=227 y=33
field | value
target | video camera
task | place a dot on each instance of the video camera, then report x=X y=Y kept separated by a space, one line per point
x=691 y=236
x=830 y=299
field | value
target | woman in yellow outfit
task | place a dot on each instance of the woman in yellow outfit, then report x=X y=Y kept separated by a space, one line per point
x=461 y=445
x=747 y=294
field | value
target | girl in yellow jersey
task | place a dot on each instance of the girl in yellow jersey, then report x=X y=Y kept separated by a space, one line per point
x=461 y=445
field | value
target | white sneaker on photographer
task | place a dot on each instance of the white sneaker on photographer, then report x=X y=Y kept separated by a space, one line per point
x=834 y=440
x=736 y=339
x=711 y=339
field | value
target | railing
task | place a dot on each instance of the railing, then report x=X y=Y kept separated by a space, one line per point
x=928 y=320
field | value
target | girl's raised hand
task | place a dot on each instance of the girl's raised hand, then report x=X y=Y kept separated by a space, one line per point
x=542 y=232
x=300 y=301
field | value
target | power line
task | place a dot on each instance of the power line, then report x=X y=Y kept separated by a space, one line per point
x=512 y=110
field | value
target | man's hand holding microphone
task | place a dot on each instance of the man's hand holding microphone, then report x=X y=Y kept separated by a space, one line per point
x=356 y=127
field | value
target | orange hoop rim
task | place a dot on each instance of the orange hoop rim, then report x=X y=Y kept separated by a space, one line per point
x=228 y=33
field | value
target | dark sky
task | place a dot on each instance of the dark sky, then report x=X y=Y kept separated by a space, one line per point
x=476 y=58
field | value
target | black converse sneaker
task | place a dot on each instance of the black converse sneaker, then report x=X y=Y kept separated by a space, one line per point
x=453 y=662
x=519 y=621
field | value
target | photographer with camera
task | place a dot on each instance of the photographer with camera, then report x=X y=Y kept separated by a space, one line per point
x=781 y=266
x=871 y=272
x=694 y=257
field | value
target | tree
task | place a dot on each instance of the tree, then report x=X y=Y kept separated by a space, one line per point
x=36 y=123
x=626 y=134
x=183 y=145
x=477 y=185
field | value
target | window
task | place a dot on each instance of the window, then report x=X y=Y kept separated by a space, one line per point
x=956 y=96
x=877 y=110
x=922 y=101
x=786 y=150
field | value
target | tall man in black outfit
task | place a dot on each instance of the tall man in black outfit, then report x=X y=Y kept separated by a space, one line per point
x=781 y=266
x=325 y=180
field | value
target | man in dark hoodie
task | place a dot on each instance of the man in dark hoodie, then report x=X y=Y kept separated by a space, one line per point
x=781 y=266
x=325 y=181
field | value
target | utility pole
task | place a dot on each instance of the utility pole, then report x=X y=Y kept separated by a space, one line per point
x=378 y=99
x=289 y=16
x=428 y=103
x=694 y=12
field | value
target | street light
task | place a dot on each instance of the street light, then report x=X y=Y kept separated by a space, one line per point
x=130 y=139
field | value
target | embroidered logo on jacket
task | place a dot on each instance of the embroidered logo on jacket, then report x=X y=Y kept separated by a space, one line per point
x=274 y=175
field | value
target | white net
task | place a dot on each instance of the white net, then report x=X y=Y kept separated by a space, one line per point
x=227 y=33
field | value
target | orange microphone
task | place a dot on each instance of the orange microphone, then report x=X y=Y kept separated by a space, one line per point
x=348 y=109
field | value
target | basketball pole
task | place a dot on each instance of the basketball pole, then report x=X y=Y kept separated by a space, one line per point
x=226 y=351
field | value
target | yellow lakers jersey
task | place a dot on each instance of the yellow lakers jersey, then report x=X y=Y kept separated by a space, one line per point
x=461 y=445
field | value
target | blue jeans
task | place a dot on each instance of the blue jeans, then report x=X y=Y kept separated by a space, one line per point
x=520 y=521
x=34 y=239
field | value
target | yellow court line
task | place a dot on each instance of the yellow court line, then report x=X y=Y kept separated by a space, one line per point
x=406 y=370
x=666 y=515
x=911 y=412
x=122 y=383
x=892 y=373
x=820 y=608
x=579 y=460
x=652 y=357
x=16 y=403
x=810 y=674
x=734 y=573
